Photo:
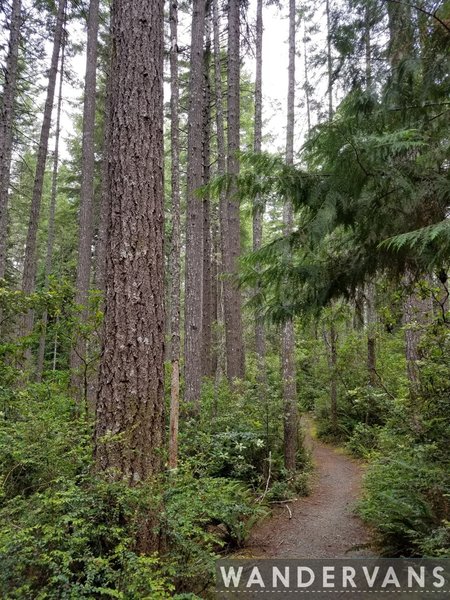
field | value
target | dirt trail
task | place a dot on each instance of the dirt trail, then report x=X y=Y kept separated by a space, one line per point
x=323 y=525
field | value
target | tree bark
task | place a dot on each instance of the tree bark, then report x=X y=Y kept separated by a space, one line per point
x=288 y=334
x=6 y=125
x=215 y=288
x=260 y=338
x=232 y=246
x=401 y=36
x=307 y=84
x=223 y=208
x=194 y=215
x=333 y=368
x=371 y=319
x=85 y=218
x=416 y=311
x=129 y=429
x=30 y=266
x=105 y=208
x=207 y=242
x=175 y=282
x=329 y=61
x=51 y=222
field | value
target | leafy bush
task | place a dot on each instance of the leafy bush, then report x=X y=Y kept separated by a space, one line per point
x=406 y=501
x=76 y=540
x=407 y=484
x=363 y=440
x=203 y=517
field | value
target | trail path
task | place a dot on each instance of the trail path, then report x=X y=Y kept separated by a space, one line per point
x=323 y=525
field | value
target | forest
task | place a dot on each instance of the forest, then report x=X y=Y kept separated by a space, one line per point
x=224 y=300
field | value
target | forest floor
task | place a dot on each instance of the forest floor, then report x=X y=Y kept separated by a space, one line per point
x=323 y=524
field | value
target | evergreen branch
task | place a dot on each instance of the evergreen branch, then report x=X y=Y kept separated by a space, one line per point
x=433 y=15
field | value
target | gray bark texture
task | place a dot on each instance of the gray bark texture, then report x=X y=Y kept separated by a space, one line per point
x=260 y=339
x=333 y=384
x=194 y=215
x=307 y=84
x=232 y=244
x=6 y=125
x=416 y=314
x=207 y=240
x=288 y=334
x=85 y=218
x=105 y=208
x=30 y=263
x=222 y=234
x=129 y=428
x=329 y=61
x=51 y=222
x=371 y=320
x=175 y=282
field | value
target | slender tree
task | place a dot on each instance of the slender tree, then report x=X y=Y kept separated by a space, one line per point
x=207 y=302
x=105 y=208
x=333 y=369
x=51 y=220
x=29 y=268
x=6 y=124
x=129 y=429
x=371 y=319
x=329 y=60
x=175 y=281
x=222 y=234
x=194 y=213
x=288 y=334
x=307 y=82
x=260 y=340
x=232 y=245
x=85 y=220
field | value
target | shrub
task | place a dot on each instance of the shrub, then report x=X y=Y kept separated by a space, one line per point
x=76 y=540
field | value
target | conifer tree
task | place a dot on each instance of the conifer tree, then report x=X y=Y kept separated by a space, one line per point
x=6 y=124
x=193 y=310
x=232 y=243
x=129 y=429
x=30 y=262
x=85 y=220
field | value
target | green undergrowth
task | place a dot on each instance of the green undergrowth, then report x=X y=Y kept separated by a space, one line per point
x=68 y=534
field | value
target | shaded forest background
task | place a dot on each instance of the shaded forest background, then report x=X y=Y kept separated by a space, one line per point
x=173 y=297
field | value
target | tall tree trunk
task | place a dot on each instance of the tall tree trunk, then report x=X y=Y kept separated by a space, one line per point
x=85 y=219
x=260 y=338
x=401 y=34
x=368 y=45
x=232 y=247
x=6 y=125
x=175 y=282
x=416 y=313
x=207 y=243
x=129 y=428
x=288 y=334
x=30 y=266
x=307 y=88
x=223 y=208
x=194 y=215
x=329 y=61
x=51 y=221
x=105 y=207
x=215 y=287
x=371 y=319
x=333 y=368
